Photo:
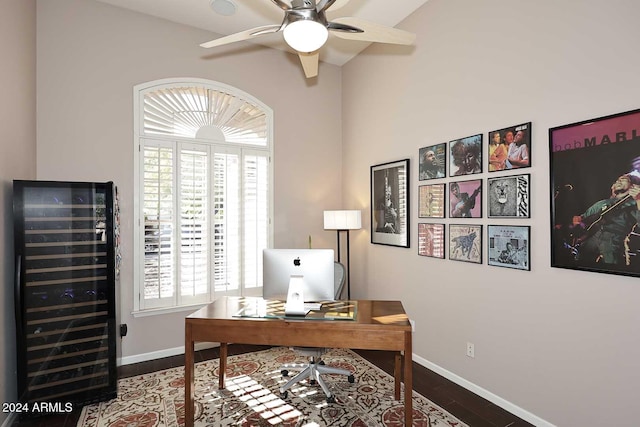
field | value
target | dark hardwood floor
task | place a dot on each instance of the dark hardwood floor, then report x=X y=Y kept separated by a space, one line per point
x=468 y=407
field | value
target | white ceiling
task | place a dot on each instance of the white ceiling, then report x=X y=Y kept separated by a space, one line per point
x=255 y=13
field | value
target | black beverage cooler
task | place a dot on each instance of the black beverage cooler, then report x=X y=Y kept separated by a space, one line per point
x=65 y=299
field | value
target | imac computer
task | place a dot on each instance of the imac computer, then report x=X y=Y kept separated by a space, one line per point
x=310 y=271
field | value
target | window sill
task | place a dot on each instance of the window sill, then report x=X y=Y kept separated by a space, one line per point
x=167 y=310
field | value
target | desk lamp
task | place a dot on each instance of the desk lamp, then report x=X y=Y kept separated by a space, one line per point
x=343 y=221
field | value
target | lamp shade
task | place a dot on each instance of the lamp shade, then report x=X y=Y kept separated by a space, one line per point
x=305 y=35
x=342 y=220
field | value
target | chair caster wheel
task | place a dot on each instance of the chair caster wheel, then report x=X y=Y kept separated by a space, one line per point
x=351 y=379
x=312 y=382
x=284 y=373
x=331 y=399
x=284 y=395
x=321 y=362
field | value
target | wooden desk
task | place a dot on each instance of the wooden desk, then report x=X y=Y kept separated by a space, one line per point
x=379 y=325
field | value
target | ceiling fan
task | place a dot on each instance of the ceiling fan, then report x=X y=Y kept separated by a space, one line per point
x=305 y=29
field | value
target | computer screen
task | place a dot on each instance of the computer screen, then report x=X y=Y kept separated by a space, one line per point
x=314 y=265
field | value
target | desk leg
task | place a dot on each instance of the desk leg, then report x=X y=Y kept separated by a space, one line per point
x=397 y=374
x=408 y=380
x=188 y=377
x=223 y=364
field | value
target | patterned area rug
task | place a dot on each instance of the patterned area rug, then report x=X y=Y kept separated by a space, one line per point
x=251 y=397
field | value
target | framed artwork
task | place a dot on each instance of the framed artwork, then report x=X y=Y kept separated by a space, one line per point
x=508 y=196
x=431 y=201
x=431 y=240
x=390 y=203
x=593 y=166
x=510 y=148
x=509 y=246
x=465 y=156
x=433 y=162
x=465 y=199
x=465 y=243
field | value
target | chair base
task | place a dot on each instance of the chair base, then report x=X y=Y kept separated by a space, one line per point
x=314 y=371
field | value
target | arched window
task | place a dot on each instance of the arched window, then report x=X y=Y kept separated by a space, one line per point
x=203 y=193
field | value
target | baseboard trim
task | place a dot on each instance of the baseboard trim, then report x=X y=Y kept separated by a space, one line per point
x=476 y=389
x=176 y=351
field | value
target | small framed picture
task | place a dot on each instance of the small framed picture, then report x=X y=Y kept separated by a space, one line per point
x=433 y=162
x=465 y=199
x=431 y=201
x=508 y=196
x=390 y=203
x=508 y=246
x=510 y=148
x=465 y=243
x=465 y=156
x=431 y=240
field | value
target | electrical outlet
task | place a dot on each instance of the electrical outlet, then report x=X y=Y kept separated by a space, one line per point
x=471 y=350
x=413 y=325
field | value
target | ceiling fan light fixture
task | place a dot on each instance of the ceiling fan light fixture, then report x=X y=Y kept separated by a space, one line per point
x=305 y=35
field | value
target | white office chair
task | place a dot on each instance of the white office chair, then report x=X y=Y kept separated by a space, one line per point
x=316 y=367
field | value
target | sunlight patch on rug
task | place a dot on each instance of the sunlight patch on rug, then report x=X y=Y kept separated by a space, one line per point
x=251 y=397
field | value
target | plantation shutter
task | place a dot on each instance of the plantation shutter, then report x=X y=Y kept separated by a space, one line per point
x=256 y=215
x=159 y=219
x=194 y=230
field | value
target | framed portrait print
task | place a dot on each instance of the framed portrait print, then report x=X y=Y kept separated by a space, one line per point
x=508 y=196
x=510 y=148
x=593 y=165
x=433 y=162
x=390 y=203
x=465 y=199
x=431 y=201
x=465 y=156
x=431 y=240
x=508 y=246
x=465 y=243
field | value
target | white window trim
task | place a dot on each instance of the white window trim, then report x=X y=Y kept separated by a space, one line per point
x=138 y=134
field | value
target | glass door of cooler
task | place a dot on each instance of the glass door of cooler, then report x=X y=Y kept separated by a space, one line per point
x=65 y=291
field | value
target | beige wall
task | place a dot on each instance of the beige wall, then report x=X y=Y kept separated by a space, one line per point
x=556 y=345
x=560 y=344
x=17 y=158
x=91 y=55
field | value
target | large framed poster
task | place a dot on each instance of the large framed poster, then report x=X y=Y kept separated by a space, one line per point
x=595 y=181
x=390 y=203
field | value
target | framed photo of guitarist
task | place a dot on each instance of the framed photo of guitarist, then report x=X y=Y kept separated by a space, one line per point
x=508 y=246
x=465 y=199
x=595 y=194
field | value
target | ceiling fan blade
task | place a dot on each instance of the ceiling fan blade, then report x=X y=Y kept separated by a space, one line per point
x=323 y=5
x=243 y=35
x=336 y=26
x=309 y=63
x=282 y=5
x=373 y=32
